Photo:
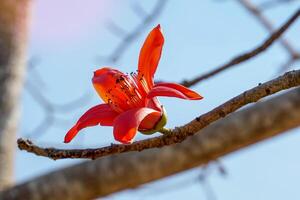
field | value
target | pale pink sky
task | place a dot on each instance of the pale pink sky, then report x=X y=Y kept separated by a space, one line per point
x=67 y=20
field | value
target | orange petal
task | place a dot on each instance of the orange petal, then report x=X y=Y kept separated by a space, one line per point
x=106 y=83
x=150 y=55
x=127 y=123
x=105 y=79
x=173 y=90
x=101 y=114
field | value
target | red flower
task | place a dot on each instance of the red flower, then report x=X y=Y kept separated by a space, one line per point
x=130 y=100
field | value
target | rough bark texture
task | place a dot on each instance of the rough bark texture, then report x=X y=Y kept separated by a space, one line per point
x=115 y=173
x=13 y=15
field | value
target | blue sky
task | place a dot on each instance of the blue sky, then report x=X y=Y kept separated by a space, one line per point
x=199 y=35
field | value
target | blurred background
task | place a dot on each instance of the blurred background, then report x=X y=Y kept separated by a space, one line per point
x=68 y=41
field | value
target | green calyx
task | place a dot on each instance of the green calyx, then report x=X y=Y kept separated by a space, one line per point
x=162 y=122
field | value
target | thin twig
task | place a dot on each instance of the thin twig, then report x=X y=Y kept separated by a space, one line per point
x=50 y=109
x=177 y=135
x=32 y=64
x=246 y=56
x=258 y=14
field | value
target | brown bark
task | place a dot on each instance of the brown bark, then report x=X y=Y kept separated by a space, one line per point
x=13 y=23
x=115 y=173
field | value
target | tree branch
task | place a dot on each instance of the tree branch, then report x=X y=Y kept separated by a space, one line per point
x=257 y=13
x=92 y=179
x=246 y=56
x=179 y=134
x=266 y=24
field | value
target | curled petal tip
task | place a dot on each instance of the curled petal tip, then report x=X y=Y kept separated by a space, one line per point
x=67 y=140
x=158 y=28
x=71 y=134
x=196 y=97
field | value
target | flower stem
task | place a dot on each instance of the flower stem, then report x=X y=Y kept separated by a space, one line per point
x=165 y=131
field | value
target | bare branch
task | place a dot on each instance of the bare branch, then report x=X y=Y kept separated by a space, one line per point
x=130 y=37
x=246 y=56
x=139 y=10
x=257 y=13
x=115 y=29
x=179 y=134
x=92 y=179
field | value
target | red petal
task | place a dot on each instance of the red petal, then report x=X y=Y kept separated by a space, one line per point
x=150 y=54
x=127 y=123
x=154 y=104
x=173 y=90
x=150 y=121
x=101 y=114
